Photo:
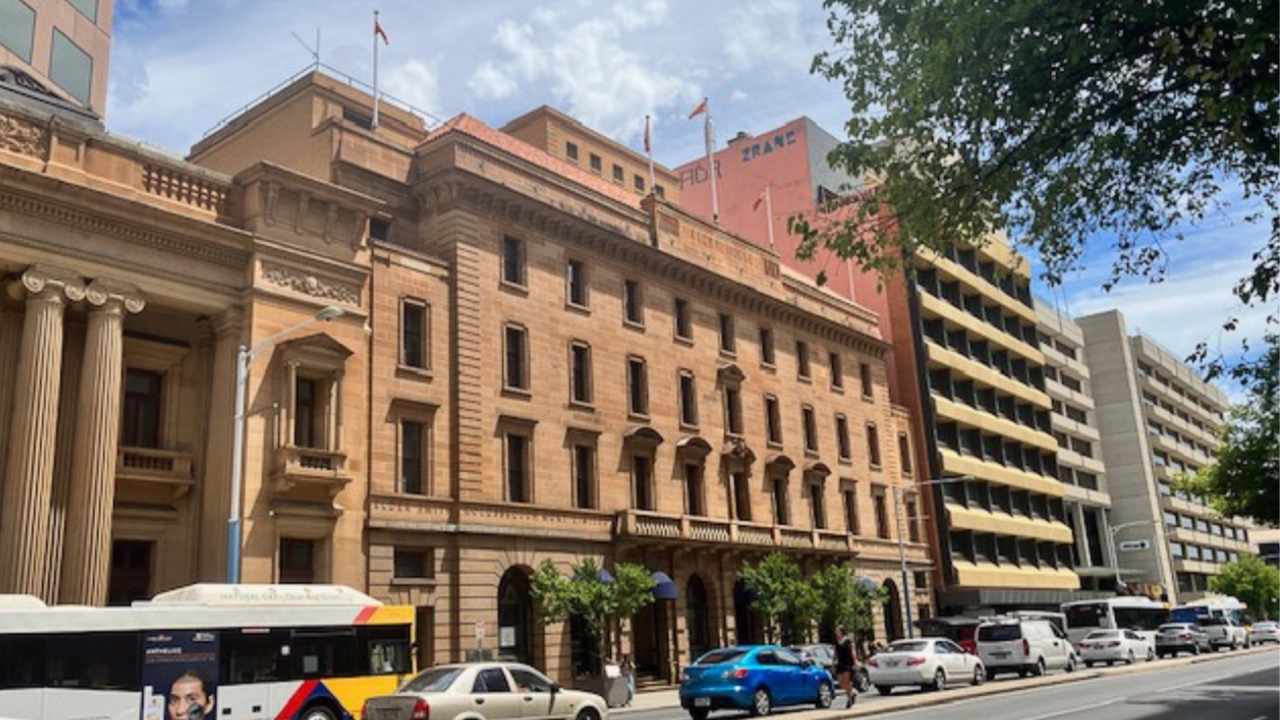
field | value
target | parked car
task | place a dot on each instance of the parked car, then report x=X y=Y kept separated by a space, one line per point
x=491 y=690
x=756 y=678
x=1174 y=638
x=1113 y=646
x=825 y=655
x=927 y=663
x=1023 y=646
x=1265 y=631
x=1223 y=632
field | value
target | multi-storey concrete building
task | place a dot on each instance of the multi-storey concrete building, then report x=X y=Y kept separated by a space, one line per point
x=1158 y=419
x=64 y=44
x=532 y=363
x=1073 y=421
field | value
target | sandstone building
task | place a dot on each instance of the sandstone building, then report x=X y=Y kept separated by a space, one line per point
x=533 y=362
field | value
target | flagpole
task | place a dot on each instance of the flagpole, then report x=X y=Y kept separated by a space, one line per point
x=711 y=166
x=648 y=148
x=375 y=69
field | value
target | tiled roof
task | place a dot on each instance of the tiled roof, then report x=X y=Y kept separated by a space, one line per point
x=477 y=129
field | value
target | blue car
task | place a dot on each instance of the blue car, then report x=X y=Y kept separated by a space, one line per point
x=756 y=678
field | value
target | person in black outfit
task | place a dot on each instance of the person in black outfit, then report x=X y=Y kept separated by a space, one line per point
x=846 y=663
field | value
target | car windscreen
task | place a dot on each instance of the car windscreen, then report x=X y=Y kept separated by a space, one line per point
x=908 y=646
x=432 y=680
x=999 y=633
x=716 y=657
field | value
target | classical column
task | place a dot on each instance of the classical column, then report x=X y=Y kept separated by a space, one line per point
x=215 y=483
x=10 y=342
x=86 y=555
x=24 y=516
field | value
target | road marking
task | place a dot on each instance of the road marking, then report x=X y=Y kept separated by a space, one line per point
x=1070 y=711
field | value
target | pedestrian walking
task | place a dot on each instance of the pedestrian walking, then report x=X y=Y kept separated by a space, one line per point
x=846 y=665
x=629 y=673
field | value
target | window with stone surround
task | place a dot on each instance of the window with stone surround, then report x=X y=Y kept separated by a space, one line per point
x=849 y=502
x=732 y=410
x=836 y=365
x=802 y=360
x=728 y=342
x=415 y=324
x=639 y=183
x=140 y=421
x=694 y=489
x=413 y=451
x=311 y=409
x=515 y=358
x=597 y=164
x=637 y=386
x=817 y=502
x=688 y=398
x=517 y=466
x=583 y=467
x=632 y=303
x=767 y=357
x=864 y=375
x=571 y=152
x=642 y=489
x=681 y=320
x=514 y=270
x=904 y=453
x=880 y=502
x=842 y=437
x=741 y=482
x=580 y=375
x=873 y=445
x=619 y=175
x=778 y=493
x=810 y=423
x=297 y=561
x=412 y=563
x=577 y=292
x=912 y=511
x=772 y=420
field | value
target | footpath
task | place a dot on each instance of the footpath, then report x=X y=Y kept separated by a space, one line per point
x=670 y=699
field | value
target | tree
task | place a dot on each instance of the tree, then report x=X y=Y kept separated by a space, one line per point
x=846 y=602
x=600 y=604
x=1242 y=479
x=775 y=582
x=1253 y=582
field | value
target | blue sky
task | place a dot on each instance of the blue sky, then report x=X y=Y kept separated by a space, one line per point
x=178 y=66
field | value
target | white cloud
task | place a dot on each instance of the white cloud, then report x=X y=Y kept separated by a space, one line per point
x=645 y=14
x=490 y=82
x=776 y=34
x=416 y=83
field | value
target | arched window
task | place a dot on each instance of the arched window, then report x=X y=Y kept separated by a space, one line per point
x=515 y=617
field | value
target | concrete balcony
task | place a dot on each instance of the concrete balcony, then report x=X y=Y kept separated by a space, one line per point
x=1199 y=537
x=973 y=417
x=956 y=464
x=1162 y=415
x=1057 y=359
x=981 y=328
x=1062 y=392
x=1085 y=496
x=1195 y=566
x=989 y=376
x=298 y=468
x=167 y=468
x=980 y=284
x=1064 y=424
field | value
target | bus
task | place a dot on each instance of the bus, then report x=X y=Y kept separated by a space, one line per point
x=242 y=652
x=1217 y=606
x=1118 y=613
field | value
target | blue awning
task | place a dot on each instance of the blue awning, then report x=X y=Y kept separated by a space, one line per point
x=604 y=576
x=663 y=587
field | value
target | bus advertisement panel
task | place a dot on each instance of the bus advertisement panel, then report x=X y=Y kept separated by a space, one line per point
x=179 y=675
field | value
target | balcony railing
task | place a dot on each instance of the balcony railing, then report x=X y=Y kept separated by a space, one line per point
x=310 y=467
x=153 y=465
x=718 y=531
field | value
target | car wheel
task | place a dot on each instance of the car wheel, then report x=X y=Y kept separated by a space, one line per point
x=1130 y=659
x=884 y=689
x=317 y=712
x=761 y=703
x=978 y=675
x=1151 y=655
x=991 y=674
x=1038 y=671
x=698 y=714
x=1071 y=664
x=939 y=681
x=824 y=695
x=589 y=713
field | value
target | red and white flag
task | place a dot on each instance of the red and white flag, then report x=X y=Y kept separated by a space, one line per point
x=766 y=197
x=378 y=31
x=701 y=108
x=708 y=135
x=759 y=200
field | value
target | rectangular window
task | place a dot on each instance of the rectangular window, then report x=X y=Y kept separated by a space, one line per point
x=140 y=424
x=882 y=511
x=688 y=399
x=633 y=302
x=88 y=8
x=639 y=183
x=817 y=505
x=849 y=498
x=129 y=579
x=71 y=68
x=580 y=373
x=642 y=482
x=17 y=28
x=810 y=429
x=584 y=472
x=637 y=386
x=597 y=165
x=873 y=445
x=412 y=457
x=683 y=323
x=837 y=370
x=659 y=191
x=413 y=334
x=741 y=496
x=513 y=261
x=732 y=410
x=772 y=420
x=306 y=416
x=779 y=494
x=864 y=374
x=576 y=283
x=802 y=360
x=913 y=520
x=411 y=563
x=516 y=375
x=618 y=174
x=904 y=452
x=693 y=489
x=766 y=347
x=517 y=468
x=842 y=437
x=571 y=152
x=297 y=561
x=728 y=343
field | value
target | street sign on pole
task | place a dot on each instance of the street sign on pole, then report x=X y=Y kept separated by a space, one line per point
x=1134 y=545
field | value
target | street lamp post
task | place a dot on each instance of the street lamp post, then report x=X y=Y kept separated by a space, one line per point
x=1115 y=553
x=245 y=356
x=902 y=546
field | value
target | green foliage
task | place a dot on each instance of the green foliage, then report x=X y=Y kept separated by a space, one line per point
x=1244 y=478
x=777 y=585
x=601 y=605
x=632 y=589
x=1253 y=582
x=793 y=605
x=845 y=602
x=1059 y=121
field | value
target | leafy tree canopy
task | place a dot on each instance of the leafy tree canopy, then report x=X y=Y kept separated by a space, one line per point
x=583 y=594
x=1252 y=581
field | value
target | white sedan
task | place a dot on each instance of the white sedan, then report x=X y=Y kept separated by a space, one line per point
x=1265 y=632
x=928 y=663
x=484 y=691
x=1113 y=646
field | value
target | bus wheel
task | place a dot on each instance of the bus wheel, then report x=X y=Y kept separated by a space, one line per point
x=317 y=712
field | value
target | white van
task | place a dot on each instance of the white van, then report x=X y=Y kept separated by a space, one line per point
x=1023 y=646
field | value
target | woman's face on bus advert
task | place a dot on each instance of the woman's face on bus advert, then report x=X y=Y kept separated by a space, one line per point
x=189 y=700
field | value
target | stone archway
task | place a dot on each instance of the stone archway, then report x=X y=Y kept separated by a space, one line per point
x=892 y=612
x=515 y=617
x=697 y=618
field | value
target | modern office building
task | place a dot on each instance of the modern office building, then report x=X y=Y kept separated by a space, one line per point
x=1073 y=422
x=1158 y=419
x=64 y=44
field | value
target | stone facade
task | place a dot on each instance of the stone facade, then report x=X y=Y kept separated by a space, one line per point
x=531 y=363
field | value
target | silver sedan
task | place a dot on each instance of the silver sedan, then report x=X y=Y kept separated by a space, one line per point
x=484 y=691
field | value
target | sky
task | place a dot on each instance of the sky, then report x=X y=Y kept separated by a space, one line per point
x=180 y=66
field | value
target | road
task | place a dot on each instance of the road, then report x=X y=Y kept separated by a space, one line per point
x=1237 y=688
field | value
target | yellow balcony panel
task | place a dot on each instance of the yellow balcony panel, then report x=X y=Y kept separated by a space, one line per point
x=981 y=328
x=960 y=412
x=963 y=518
x=954 y=463
x=983 y=287
x=986 y=574
x=975 y=370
